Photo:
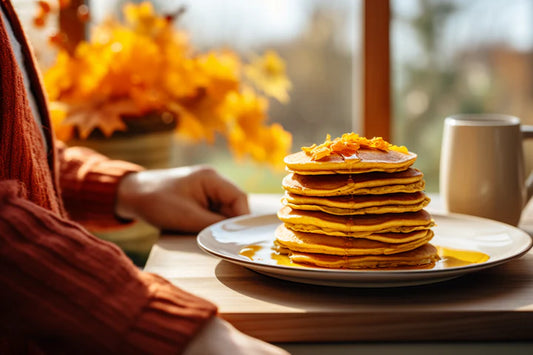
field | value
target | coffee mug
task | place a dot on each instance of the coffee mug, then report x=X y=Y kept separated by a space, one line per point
x=482 y=166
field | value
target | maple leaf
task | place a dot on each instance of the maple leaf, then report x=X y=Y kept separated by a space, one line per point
x=106 y=116
x=43 y=10
x=268 y=74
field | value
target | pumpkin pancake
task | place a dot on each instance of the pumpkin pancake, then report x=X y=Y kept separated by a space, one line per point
x=410 y=180
x=323 y=244
x=423 y=255
x=388 y=237
x=354 y=226
x=359 y=204
x=362 y=161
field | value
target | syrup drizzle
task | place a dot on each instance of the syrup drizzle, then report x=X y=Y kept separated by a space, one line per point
x=449 y=257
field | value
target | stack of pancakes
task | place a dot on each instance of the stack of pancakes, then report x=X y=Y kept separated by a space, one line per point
x=355 y=203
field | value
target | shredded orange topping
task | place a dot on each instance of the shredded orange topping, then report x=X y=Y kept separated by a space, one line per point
x=348 y=145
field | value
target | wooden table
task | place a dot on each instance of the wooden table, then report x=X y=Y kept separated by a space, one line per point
x=490 y=305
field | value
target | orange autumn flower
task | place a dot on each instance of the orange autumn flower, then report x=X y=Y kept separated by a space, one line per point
x=268 y=73
x=144 y=65
x=43 y=10
x=245 y=113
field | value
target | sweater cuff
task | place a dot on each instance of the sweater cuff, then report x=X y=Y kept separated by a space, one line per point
x=170 y=319
x=99 y=193
x=89 y=183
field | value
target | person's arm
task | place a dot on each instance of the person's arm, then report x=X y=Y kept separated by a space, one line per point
x=61 y=285
x=97 y=190
x=185 y=199
x=89 y=184
x=68 y=291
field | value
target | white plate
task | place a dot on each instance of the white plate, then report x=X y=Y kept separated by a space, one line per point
x=501 y=242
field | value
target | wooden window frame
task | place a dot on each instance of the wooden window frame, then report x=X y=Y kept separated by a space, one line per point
x=376 y=103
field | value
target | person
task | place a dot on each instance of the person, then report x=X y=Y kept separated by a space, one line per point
x=66 y=291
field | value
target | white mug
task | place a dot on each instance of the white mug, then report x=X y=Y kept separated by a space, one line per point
x=482 y=166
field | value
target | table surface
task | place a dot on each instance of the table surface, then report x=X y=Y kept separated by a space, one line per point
x=493 y=304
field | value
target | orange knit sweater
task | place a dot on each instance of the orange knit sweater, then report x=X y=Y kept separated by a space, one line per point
x=64 y=290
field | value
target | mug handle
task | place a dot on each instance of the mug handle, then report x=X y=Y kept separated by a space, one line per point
x=527 y=131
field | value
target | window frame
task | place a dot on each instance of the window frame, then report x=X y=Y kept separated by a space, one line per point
x=376 y=103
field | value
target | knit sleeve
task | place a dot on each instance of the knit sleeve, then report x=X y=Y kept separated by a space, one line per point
x=61 y=285
x=89 y=183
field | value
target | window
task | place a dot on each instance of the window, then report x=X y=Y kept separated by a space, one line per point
x=447 y=57
x=318 y=41
x=458 y=57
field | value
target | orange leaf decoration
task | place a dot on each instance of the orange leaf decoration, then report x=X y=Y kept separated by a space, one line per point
x=106 y=117
x=58 y=39
x=144 y=65
x=44 y=8
x=268 y=73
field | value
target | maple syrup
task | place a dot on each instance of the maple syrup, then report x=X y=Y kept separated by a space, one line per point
x=449 y=257
x=457 y=257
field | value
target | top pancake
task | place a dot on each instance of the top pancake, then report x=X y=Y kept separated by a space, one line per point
x=364 y=160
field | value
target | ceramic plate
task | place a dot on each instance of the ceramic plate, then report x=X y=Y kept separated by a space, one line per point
x=466 y=244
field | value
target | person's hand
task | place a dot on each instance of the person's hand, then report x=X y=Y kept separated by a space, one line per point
x=219 y=337
x=185 y=199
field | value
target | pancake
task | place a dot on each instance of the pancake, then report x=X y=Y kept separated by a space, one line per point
x=354 y=226
x=407 y=181
x=362 y=161
x=323 y=244
x=423 y=255
x=359 y=204
x=387 y=237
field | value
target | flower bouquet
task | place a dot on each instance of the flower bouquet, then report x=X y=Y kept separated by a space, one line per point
x=144 y=69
